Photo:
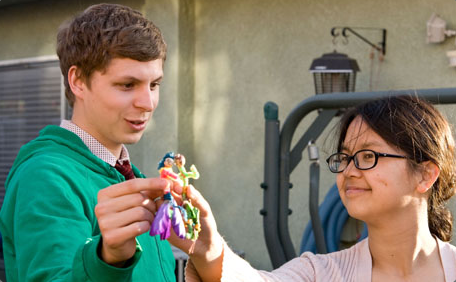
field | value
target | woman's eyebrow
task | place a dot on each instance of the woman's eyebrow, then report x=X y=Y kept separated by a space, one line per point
x=365 y=145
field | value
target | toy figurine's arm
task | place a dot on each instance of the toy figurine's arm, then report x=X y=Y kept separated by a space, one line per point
x=194 y=172
x=171 y=175
x=183 y=171
x=168 y=174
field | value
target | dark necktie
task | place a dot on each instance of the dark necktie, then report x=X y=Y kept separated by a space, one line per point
x=125 y=169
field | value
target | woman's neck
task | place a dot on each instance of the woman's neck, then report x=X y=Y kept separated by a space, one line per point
x=404 y=252
x=400 y=250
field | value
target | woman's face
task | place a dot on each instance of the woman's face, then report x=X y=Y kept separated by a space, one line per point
x=384 y=190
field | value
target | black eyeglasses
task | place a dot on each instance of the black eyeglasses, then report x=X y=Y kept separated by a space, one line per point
x=363 y=159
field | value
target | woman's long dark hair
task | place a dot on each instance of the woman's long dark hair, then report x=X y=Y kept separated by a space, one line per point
x=417 y=128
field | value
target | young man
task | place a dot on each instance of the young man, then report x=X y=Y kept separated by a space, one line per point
x=68 y=212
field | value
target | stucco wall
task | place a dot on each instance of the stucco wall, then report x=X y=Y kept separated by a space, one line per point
x=226 y=60
x=250 y=52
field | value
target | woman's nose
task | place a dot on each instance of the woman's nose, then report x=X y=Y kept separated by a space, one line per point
x=351 y=169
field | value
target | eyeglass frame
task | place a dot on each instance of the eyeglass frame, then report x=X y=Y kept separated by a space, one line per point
x=350 y=158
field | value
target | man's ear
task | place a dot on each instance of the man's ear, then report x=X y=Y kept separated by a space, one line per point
x=76 y=83
x=429 y=172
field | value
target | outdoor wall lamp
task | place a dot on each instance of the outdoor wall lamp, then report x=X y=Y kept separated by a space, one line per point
x=336 y=72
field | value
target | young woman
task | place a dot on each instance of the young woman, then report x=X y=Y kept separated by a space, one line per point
x=395 y=166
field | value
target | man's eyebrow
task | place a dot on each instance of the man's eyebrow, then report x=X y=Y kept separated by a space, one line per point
x=135 y=79
x=128 y=77
x=158 y=78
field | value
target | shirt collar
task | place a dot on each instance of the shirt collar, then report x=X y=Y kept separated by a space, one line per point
x=94 y=145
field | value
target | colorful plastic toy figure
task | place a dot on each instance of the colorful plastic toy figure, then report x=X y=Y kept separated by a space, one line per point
x=168 y=215
x=192 y=222
x=165 y=168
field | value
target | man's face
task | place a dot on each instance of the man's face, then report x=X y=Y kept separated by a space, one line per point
x=118 y=104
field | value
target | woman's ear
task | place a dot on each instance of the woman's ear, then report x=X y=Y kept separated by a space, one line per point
x=429 y=174
x=77 y=84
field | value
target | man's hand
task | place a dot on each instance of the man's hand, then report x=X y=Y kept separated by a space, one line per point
x=124 y=211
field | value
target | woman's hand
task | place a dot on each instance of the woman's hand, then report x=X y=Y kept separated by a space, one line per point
x=206 y=252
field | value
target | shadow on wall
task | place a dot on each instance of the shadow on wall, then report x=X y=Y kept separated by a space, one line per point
x=239 y=66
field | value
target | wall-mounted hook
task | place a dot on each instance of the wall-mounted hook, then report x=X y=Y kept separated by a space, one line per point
x=335 y=35
x=381 y=46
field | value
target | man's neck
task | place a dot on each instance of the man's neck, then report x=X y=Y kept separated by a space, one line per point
x=97 y=148
x=115 y=149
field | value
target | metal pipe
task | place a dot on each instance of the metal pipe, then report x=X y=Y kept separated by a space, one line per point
x=314 y=183
x=271 y=185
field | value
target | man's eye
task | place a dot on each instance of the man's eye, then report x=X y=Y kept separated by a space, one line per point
x=128 y=85
x=154 y=85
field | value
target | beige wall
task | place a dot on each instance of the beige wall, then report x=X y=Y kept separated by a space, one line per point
x=226 y=60
x=250 y=52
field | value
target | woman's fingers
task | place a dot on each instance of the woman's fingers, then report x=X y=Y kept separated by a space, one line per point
x=199 y=201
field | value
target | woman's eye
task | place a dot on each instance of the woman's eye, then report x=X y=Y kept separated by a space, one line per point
x=368 y=156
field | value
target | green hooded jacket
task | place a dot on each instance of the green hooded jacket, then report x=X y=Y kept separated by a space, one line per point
x=48 y=223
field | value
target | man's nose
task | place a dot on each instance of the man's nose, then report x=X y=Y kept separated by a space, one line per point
x=144 y=99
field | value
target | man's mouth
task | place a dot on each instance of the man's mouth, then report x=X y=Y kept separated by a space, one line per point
x=137 y=124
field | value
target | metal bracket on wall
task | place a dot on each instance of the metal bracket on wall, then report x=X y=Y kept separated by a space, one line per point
x=381 y=46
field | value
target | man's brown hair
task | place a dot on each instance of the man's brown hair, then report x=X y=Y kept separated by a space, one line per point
x=103 y=32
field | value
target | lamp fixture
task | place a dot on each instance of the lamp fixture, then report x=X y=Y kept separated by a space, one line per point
x=336 y=72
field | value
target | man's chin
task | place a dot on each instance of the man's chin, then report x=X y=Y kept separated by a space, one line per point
x=131 y=141
x=132 y=138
